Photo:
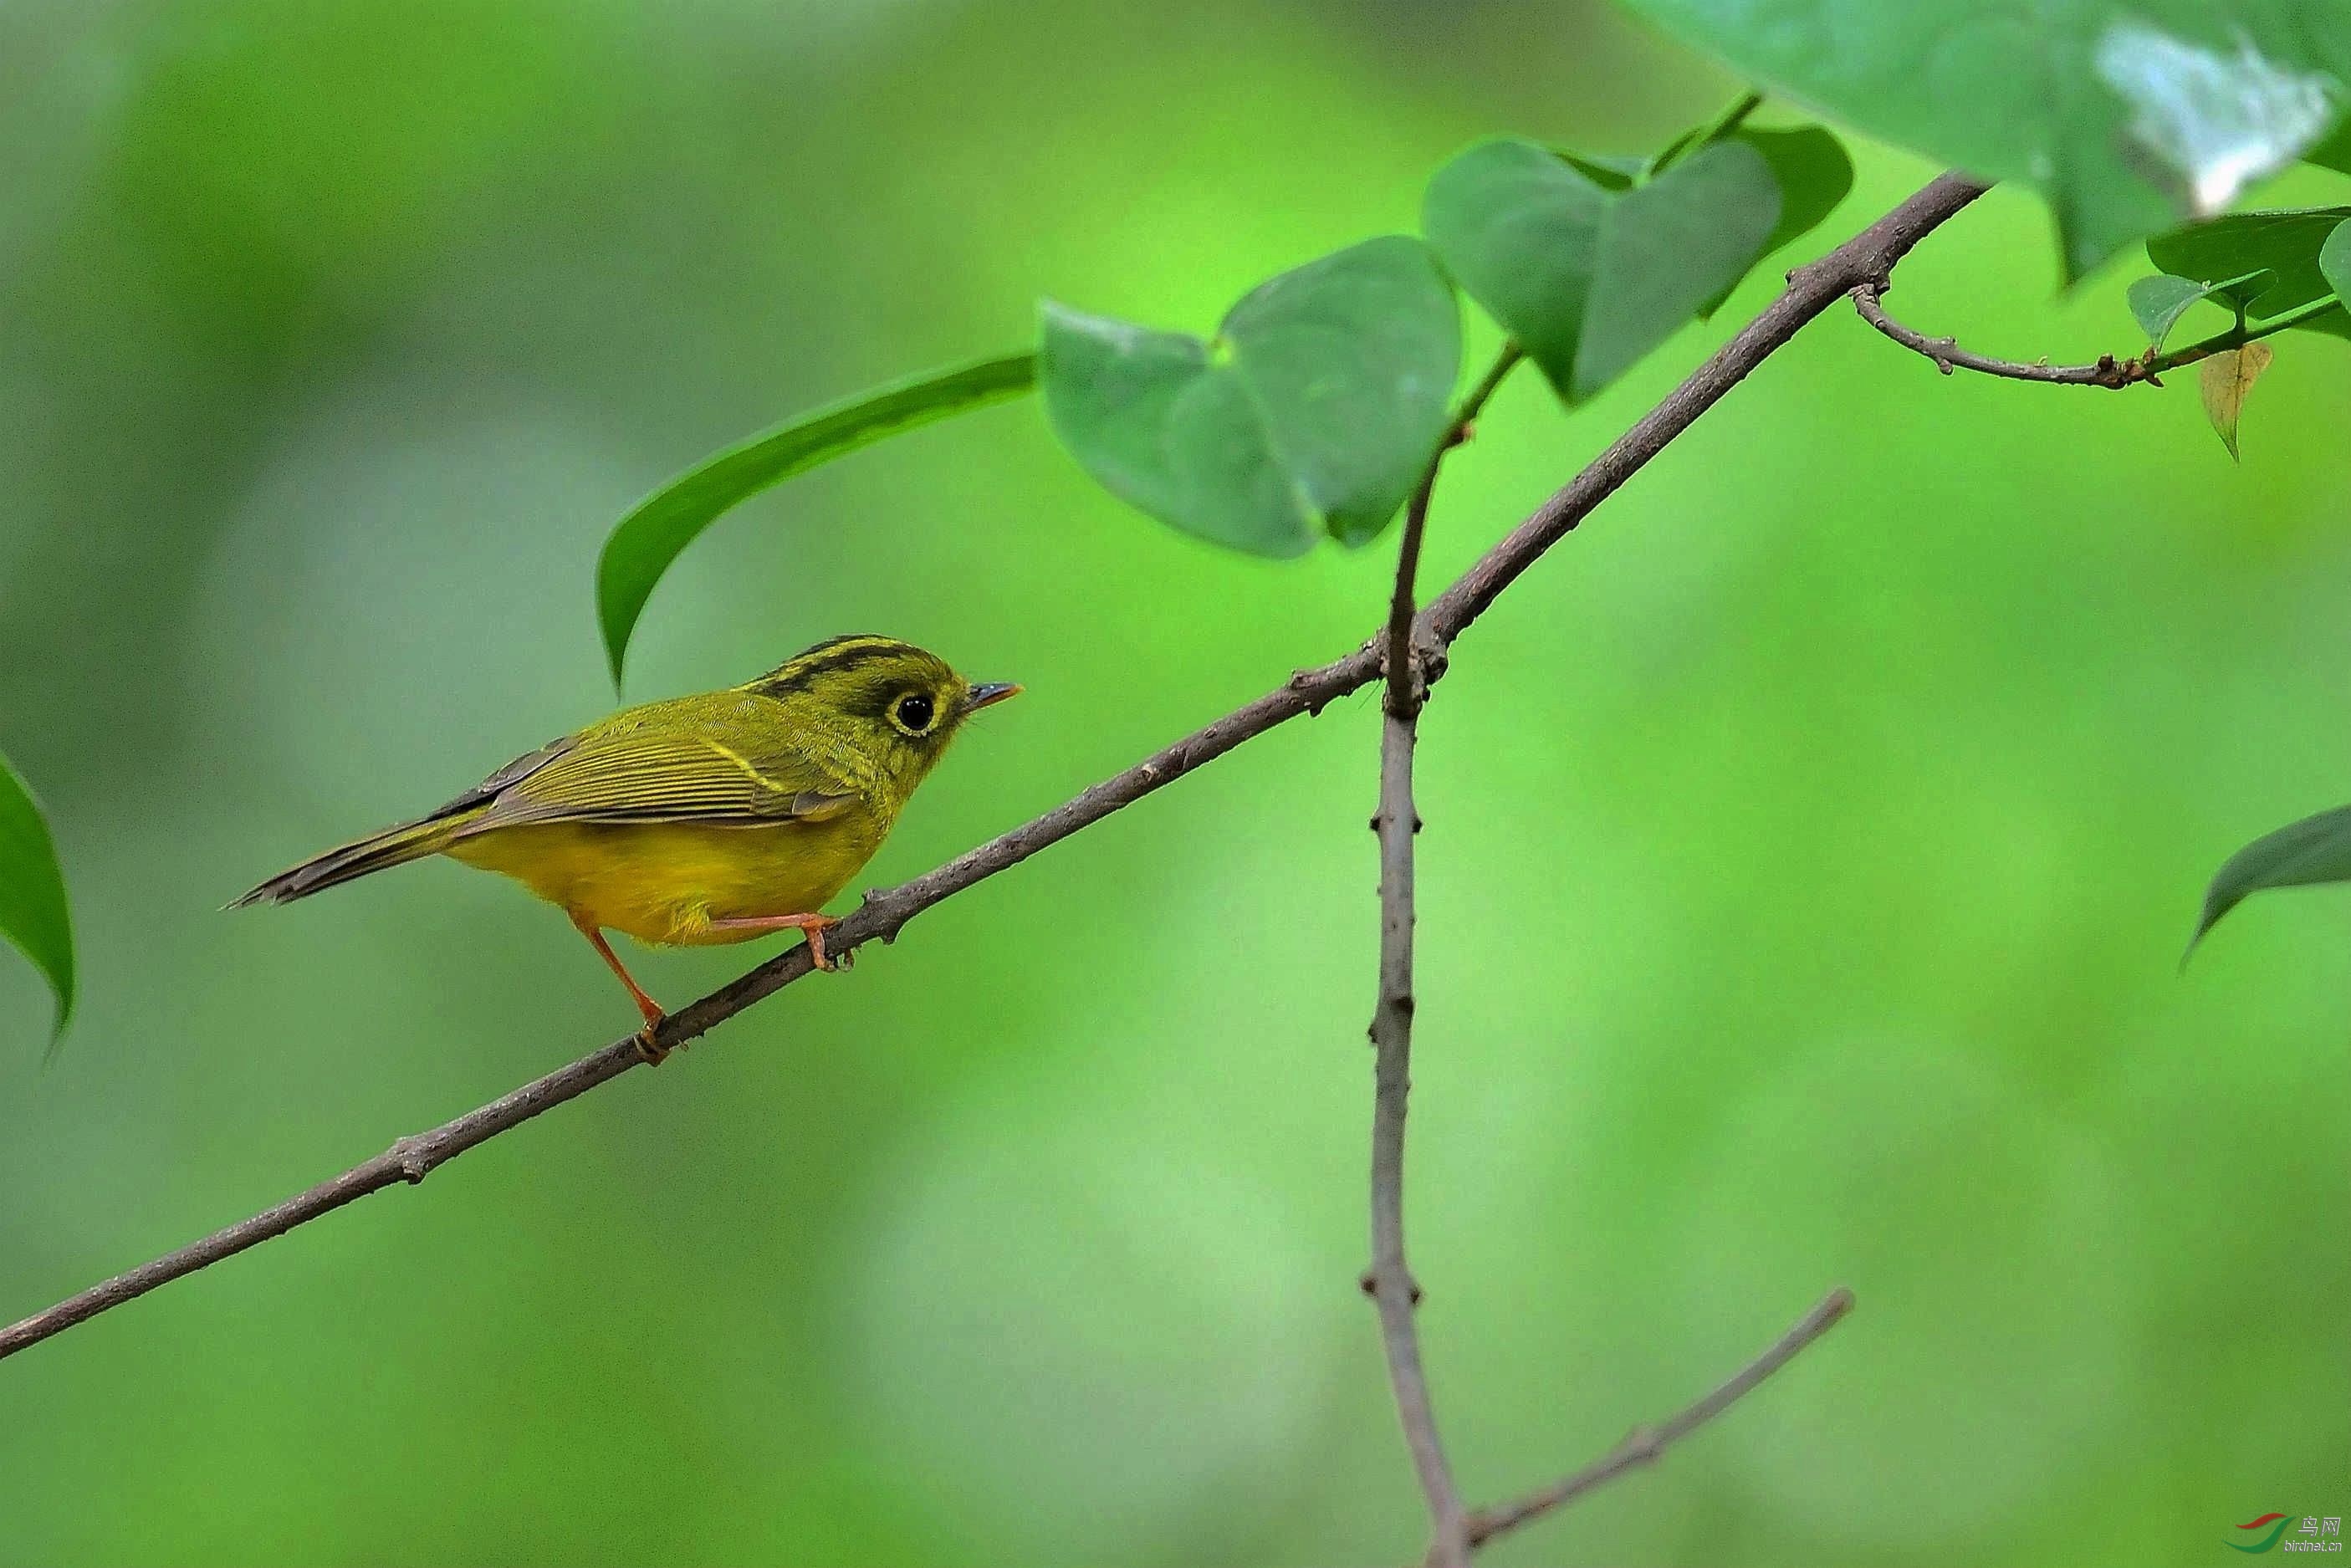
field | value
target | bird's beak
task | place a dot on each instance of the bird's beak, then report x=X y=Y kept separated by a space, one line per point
x=990 y=694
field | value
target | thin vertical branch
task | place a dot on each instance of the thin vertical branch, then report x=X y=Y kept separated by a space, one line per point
x=1389 y=1280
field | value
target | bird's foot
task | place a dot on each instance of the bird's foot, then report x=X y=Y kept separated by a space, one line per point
x=812 y=926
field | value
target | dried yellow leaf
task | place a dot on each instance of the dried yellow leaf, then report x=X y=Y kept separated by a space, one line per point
x=2226 y=377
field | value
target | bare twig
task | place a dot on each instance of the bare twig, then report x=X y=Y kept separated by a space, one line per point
x=2109 y=372
x=1644 y=1445
x=1948 y=356
x=1811 y=289
x=1389 y=1280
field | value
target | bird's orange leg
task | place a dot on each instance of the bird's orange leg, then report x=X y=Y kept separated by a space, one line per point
x=814 y=926
x=652 y=1050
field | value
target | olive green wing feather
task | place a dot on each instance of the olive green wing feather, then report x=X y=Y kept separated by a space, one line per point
x=691 y=760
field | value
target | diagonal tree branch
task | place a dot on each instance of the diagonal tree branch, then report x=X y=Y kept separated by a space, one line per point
x=1389 y=1280
x=1646 y=1445
x=1811 y=289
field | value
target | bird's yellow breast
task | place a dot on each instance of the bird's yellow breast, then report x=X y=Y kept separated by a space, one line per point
x=667 y=882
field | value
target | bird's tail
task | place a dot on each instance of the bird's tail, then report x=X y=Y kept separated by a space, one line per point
x=392 y=847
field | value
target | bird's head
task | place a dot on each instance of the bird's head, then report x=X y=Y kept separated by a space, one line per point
x=888 y=703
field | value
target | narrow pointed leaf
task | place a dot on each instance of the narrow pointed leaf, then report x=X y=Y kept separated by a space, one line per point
x=33 y=911
x=2315 y=850
x=1313 y=411
x=2225 y=378
x=653 y=536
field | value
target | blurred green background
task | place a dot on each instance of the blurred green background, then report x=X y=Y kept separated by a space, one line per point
x=1810 y=840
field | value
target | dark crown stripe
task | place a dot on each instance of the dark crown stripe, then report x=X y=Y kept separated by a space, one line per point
x=828 y=657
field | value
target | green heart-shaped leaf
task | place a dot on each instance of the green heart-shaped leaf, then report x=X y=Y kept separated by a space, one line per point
x=2315 y=850
x=1587 y=280
x=1315 y=410
x=33 y=912
x=1813 y=173
x=2157 y=303
x=2286 y=244
x=2335 y=260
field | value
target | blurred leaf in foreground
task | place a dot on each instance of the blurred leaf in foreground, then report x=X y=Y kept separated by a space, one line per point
x=2127 y=118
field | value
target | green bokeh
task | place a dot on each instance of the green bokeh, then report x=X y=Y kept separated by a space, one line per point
x=1810 y=840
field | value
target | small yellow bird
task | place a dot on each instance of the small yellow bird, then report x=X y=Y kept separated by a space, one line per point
x=718 y=818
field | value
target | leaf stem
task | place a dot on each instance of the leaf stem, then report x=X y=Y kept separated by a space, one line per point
x=1734 y=117
x=2238 y=335
x=1713 y=131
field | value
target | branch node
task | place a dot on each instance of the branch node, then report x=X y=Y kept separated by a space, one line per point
x=414 y=1156
x=1370 y=1281
x=1643 y=1445
x=1430 y=658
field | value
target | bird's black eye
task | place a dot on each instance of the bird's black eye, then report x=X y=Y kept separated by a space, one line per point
x=914 y=711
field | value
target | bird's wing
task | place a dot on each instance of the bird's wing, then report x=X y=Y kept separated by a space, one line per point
x=669 y=763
